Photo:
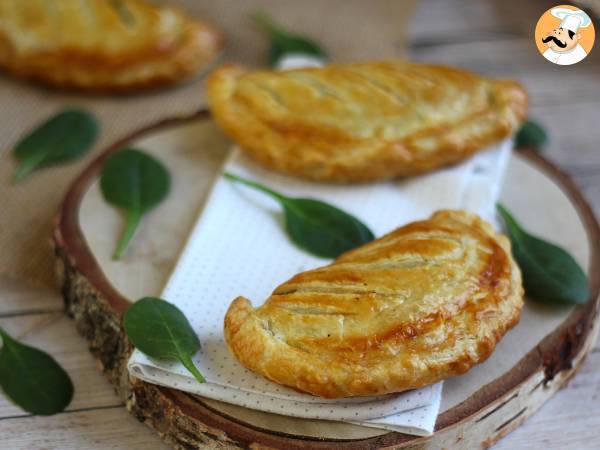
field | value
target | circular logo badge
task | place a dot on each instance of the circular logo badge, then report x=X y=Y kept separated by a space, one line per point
x=565 y=35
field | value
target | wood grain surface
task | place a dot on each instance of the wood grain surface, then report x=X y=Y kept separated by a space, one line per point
x=489 y=37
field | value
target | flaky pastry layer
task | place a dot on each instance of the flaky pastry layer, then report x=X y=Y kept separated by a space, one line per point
x=421 y=304
x=363 y=122
x=89 y=45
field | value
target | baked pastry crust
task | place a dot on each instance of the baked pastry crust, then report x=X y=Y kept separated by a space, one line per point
x=421 y=304
x=91 y=46
x=363 y=122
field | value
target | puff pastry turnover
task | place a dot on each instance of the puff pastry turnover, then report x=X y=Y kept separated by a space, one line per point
x=421 y=304
x=90 y=45
x=363 y=122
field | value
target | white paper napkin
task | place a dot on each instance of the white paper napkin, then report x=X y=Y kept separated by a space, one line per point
x=239 y=247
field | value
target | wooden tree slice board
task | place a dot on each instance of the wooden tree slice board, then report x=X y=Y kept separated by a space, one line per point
x=527 y=368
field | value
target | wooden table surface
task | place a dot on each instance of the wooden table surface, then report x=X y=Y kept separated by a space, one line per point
x=494 y=38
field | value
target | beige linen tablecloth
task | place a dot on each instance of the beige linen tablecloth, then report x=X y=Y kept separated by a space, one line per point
x=348 y=29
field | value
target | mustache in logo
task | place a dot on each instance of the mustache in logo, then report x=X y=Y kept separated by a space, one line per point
x=556 y=41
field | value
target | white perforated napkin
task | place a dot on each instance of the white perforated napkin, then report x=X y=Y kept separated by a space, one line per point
x=239 y=247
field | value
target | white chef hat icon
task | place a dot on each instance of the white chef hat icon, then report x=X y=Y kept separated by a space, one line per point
x=571 y=19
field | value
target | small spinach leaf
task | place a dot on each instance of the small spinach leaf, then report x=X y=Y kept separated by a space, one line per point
x=160 y=330
x=63 y=137
x=284 y=42
x=549 y=272
x=135 y=182
x=531 y=135
x=33 y=379
x=315 y=226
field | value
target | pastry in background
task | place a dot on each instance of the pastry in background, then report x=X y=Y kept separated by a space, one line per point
x=421 y=304
x=102 y=45
x=366 y=121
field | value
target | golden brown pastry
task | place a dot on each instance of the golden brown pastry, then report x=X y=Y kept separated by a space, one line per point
x=90 y=45
x=363 y=122
x=421 y=304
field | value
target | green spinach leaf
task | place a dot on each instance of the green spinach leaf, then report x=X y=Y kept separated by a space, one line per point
x=315 y=226
x=63 y=137
x=123 y=11
x=531 y=135
x=33 y=379
x=549 y=273
x=135 y=182
x=283 y=42
x=160 y=330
